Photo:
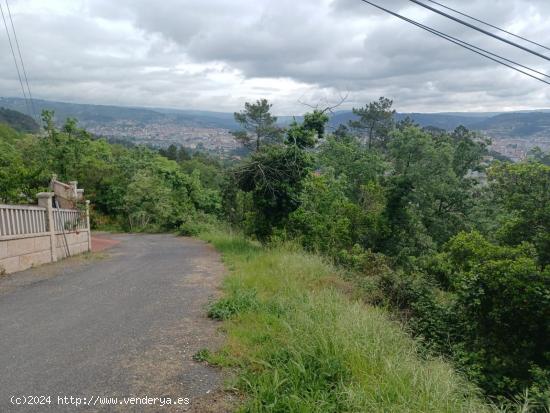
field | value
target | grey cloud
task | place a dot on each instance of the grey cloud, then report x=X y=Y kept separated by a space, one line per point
x=216 y=54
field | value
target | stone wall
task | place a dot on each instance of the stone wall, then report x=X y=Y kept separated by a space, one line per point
x=77 y=241
x=22 y=253
x=30 y=251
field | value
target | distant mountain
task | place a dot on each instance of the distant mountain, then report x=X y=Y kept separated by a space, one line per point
x=447 y=121
x=523 y=125
x=18 y=121
x=83 y=112
x=503 y=125
x=498 y=125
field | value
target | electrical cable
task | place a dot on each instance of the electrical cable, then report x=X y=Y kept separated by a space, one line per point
x=21 y=59
x=15 y=61
x=479 y=29
x=489 y=24
x=461 y=43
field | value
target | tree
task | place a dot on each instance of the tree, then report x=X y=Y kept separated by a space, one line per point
x=523 y=191
x=538 y=155
x=147 y=202
x=48 y=122
x=274 y=176
x=171 y=152
x=316 y=121
x=346 y=156
x=499 y=321
x=469 y=150
x=257 y=123
x=327 y=221
x=376 y=120
x=12 y=170
x=429 y=197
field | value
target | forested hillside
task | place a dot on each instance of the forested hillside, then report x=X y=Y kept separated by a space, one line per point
x=417 y=220
x=18 y=121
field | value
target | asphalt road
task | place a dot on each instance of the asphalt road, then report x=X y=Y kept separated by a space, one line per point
x=126 y=323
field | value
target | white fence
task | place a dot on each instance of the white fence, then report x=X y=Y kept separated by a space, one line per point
x=69 y=220
x=22 y=220
x=30 y=220
x=34 y=235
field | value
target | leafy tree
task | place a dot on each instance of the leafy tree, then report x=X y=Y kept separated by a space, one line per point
x=316 y=121
x=147 y=201
x=470 y=149
x=523 y=191
x=171 y=152
x=12 y=169
x=346 y=156
x=258 y=125
x=428 y=201
x=537 y=154
x=274 y=176
x=326 y=220
x=376 y=121
x=47 y=117
x=500 y=316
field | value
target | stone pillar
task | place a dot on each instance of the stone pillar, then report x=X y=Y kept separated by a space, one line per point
x=74 y=185
x=45 y=201
x=88 y=225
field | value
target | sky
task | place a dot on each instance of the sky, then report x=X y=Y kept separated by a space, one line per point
x=218 y=54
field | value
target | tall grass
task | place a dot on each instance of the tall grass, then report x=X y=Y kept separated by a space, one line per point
x=301 y=344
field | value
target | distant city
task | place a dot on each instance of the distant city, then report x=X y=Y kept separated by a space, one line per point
x=518 y=149
x=163 y=134
x=513 y=134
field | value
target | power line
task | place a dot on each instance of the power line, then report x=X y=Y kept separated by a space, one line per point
x=489 y=24
x=15 y=60
x=479 y=29
x=21 y=59
x=461 y=43
x=469 y=45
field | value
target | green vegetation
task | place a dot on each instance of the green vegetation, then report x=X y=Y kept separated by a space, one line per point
x=422 y=224
x=18 y=121
x=131 y=188
x=303 y=345
x=462 y=260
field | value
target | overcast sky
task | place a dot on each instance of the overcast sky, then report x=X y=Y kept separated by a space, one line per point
x=217 y=54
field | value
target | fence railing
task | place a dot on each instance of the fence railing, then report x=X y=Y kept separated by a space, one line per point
x=22 y=220
x=67 y=220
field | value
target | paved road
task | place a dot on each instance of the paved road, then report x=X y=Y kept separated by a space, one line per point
x=126 y=323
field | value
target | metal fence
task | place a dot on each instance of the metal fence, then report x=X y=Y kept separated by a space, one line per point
x=22 y=220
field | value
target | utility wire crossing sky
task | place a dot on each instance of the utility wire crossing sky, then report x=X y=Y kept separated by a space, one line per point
x=216 y=55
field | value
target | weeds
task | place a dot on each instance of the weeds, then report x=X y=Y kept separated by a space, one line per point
x=304 y=348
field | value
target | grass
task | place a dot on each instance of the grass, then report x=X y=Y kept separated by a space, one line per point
x=301 y=343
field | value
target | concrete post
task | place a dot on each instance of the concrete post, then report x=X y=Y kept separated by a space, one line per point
x=74 y=185
x=88 y=225
x=45 y=201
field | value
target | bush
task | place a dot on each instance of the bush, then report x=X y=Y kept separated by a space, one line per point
x=196 y=223
x=495 y=320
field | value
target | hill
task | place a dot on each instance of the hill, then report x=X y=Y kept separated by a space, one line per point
x=513 y=133
x=522 y=125
x=519 y=125
x=447 y=121
x=18 y=121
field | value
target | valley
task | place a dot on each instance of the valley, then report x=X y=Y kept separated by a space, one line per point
x=513 y=134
